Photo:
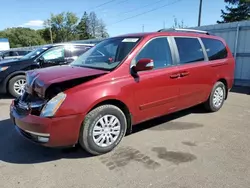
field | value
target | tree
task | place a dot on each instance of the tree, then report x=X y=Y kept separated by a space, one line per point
x=63 y=26
x=21 y=37
x=45 y=34
x=236 y=10
x=97 y=27
x=102 y=31
x=83 y=27
x=178 y=24
x=93 y=24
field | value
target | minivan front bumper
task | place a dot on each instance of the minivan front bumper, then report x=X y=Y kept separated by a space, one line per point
x=51 y=132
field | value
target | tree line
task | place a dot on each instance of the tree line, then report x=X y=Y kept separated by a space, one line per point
x=236 y=10
x=62 y=27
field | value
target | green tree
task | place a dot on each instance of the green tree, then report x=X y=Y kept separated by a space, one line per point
x=45 y=34
x=83 y=27
x=63 y=26
x=21 y=37
x=236 y=10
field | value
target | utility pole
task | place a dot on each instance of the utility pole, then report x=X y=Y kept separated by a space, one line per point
x=143 y=28
x=200 y=10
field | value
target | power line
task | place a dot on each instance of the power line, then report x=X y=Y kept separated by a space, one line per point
x=98 y=6
x=105 y=3
x=132 y=10
x=122 y=2
x=151 y=10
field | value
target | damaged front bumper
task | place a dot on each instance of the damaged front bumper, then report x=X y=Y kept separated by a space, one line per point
x=52 y=132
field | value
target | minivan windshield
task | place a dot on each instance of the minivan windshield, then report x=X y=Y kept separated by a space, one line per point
x=34 y=53
x=107 y=54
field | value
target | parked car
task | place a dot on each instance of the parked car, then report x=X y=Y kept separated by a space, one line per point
x=96 y=99
x=13 y=54
x=12 y=72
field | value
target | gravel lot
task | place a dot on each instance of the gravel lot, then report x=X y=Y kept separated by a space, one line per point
x=186 y=150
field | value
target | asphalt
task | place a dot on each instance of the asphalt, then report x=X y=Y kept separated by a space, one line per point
x=189 y=149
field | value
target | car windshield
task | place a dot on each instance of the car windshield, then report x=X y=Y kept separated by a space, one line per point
x=34 y=53
x=107 y=54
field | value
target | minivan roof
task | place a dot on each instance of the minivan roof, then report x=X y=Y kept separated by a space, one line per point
x=170 y=33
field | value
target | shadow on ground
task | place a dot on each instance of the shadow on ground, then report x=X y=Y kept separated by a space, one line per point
x=242 y=90
x=5 y=96
x=166 y=123
x=15 y=149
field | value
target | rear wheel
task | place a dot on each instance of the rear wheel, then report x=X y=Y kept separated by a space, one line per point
x=17 y=85
x=216 y=98
x=103 y=129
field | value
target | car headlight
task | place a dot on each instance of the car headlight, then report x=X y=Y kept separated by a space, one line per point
x=3 y=68
x=53 y=105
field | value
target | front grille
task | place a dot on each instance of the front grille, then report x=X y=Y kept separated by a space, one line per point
x=29 y=104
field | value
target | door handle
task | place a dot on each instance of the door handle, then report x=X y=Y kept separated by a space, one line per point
x=184 y=74
x=175 y=75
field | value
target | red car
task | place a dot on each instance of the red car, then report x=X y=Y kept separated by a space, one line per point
x=120 y=82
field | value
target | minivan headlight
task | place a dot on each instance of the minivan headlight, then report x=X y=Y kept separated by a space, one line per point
x=50 y=109
x=3 y=68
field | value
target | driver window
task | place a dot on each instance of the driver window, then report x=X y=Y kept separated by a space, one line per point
x=54 y=54
x=159 y=51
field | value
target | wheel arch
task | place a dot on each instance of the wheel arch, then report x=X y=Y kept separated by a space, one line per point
x=10 y=76
x=120 y=104
x=224 y=81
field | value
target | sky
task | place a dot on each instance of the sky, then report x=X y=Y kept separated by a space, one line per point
x=120 y=16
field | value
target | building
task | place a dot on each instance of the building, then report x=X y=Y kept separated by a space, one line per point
x=4 y=44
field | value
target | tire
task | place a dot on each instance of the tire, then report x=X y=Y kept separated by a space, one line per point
x=92 y=124
x=12 y=82
x=210 y=105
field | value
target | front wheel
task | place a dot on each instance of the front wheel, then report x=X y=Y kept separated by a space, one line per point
x=103 y=129
x=216 y=98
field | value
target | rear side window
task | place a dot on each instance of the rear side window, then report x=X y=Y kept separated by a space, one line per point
x=189 y=49
x=23 y=52
x=215 y=49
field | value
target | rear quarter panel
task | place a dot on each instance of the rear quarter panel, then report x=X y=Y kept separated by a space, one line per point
x=222 y=68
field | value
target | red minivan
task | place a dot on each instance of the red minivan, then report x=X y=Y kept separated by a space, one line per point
x=120 y=82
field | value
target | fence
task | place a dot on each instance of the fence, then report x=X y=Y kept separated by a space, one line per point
x=237 y=36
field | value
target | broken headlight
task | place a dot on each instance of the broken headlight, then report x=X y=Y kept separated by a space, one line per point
x=50 y=109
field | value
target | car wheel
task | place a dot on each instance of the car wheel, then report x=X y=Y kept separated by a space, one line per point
x=103 y=129
x=216 y=98
x=17 y=85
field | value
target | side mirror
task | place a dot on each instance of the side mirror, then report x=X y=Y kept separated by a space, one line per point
x=3 y=56
x=143 y=65
x=40 y=60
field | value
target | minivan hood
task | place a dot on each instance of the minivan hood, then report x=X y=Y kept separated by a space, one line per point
x=40 y=79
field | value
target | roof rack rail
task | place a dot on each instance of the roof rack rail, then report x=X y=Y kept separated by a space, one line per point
x=185 y=30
